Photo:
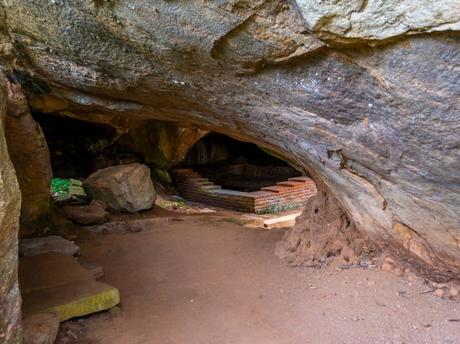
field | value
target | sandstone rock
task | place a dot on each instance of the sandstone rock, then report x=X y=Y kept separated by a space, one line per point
x=205 y=153
x=92 y=214
x=10 y=202
x=453 y=291
x=378 y=19
x=439 y=292
x=123 y=188
x=160 y=143
x=388 y=267
x=40 y=328
x=70 y=291
x=51 y=243
x=30 y=155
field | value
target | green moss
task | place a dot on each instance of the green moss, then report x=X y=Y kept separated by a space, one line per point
x=277 y=208
x=91 y=304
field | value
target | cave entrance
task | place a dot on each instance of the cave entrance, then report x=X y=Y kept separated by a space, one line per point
x=78 y=148
x=228 y=173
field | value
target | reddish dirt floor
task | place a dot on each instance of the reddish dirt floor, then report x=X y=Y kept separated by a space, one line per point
x=206 y=280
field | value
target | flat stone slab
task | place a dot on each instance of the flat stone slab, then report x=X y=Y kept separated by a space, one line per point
x=51 y=243
x=53 y=282
x=40 y=328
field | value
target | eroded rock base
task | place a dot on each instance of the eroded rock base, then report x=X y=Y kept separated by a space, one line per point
x=322 y=234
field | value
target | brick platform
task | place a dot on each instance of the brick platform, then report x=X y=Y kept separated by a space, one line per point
x=289 y=194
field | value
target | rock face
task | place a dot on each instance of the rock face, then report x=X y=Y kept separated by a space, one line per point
x=322 y=234
x=376 y=123
x=10 y=203
x=31 y=158
x=378 y=19
x=161 y=144
x=123 y=188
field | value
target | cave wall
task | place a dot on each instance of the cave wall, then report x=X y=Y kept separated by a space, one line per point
x=363 y=96
x=10 y=202
x=29 y=153
x=160 y=143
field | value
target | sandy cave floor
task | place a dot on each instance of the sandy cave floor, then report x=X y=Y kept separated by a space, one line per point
x=205 y=280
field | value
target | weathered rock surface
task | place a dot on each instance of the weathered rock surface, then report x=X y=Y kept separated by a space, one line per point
x=31 y=158
x=92 y=214
x=10 y=203
x=40 y=328
x=378 y=19
x=51 y=243
x=204 y=153
x=161 y=143
x=123 y=188
x=377 y=127
x=322 y=234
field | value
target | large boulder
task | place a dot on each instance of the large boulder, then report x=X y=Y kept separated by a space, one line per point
x=123 y=187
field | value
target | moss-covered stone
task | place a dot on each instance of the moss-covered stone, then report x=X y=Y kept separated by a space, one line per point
x=71 y=291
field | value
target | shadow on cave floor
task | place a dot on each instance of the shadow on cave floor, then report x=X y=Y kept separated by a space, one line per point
x=203 y=279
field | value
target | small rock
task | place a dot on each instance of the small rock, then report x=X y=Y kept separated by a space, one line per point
x=115 y=311
x=453 y=291
x=52 y=243
x=92 y=214
x=388 y=266
x=439 y=292
x=40 y=328
x=371 y=283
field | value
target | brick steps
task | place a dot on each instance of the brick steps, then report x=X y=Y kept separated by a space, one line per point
x=284 y=195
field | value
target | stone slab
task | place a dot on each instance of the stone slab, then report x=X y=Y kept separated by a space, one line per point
x=72 y=300
x=51 y=243
x=53 y=282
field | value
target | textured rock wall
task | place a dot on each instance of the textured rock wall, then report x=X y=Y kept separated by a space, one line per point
x=10 y=201
x=377 y=126
x=371 y=113
x=160 y=143
x=31 y=159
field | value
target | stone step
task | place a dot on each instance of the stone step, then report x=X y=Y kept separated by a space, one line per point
x=290 y=183
x=70 y=290
x=300 y=179
x=275 y=188
x=211 y=187
x=199 y=179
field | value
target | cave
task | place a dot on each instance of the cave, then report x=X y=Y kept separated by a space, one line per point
x=229 y=171
x=236 y=165
x=78 y=148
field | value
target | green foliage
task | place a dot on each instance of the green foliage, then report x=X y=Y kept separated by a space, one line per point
x=60 y=186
